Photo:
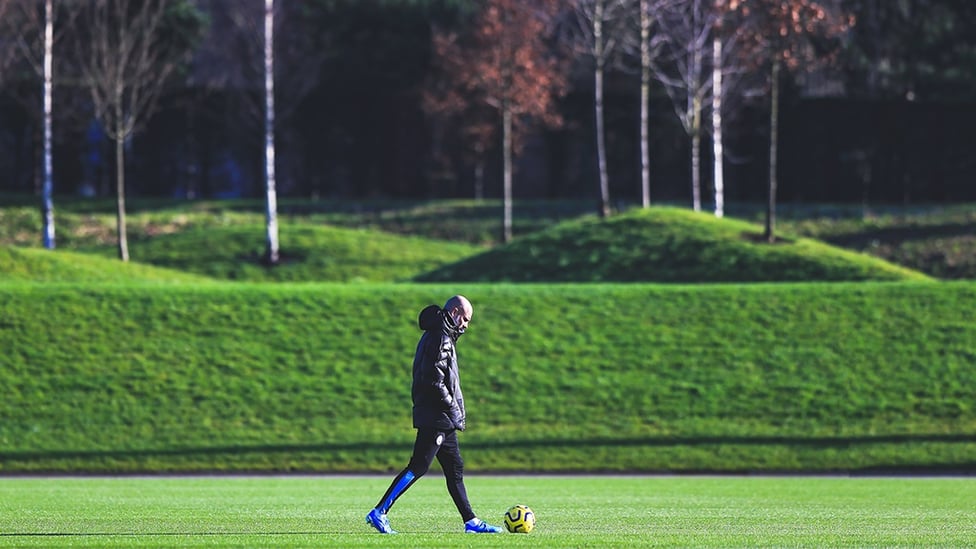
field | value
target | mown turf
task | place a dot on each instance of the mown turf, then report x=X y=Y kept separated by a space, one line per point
x=40 y=265
x=808 y=377
x=572 y=512
x=664 y=245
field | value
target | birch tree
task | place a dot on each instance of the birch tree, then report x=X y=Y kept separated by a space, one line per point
x=128 y=52
x=598 y=31
x=271 y=194
x=28 y=27
x=687 y=27
x=730 y=87
x=648 y=12
x=275 y=59
x=505 y=64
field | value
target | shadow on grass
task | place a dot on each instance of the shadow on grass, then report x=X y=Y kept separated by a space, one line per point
x=522 y=444
x=899 y=235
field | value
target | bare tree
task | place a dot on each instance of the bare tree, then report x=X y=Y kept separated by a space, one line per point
x=271 y=193
x=279 y=54
x=598 y=33
x=28 y=32
x=126 y=57
x=793 y=35
x=646 y=48
x=730 y=86
x=687 y=27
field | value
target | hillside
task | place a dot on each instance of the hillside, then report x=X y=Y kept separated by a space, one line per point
x=594 y=377
x=40 y=265
x=664 y=245
x=309 y=253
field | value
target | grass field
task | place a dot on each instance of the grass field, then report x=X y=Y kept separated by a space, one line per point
x=573 y=511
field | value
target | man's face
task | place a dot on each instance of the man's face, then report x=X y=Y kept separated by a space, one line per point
x=461 y=317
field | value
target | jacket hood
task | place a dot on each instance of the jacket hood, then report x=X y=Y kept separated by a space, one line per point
x=431 y=318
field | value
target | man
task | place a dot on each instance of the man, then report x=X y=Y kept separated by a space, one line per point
x=438 y=414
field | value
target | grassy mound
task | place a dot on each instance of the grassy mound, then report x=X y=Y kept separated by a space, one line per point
x=40 y=265
x=309 y=253
x=664 y=245
x=592 y=377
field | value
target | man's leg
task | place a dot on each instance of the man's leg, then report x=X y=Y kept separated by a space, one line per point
x=449 y=457
x=424 y=449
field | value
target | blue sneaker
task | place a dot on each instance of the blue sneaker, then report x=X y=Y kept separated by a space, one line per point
x=478 y=526
x=379 y=521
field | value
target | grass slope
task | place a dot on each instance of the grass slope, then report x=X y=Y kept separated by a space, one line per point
x=664 y=245
x=562 y=378
x=572 y=512
x=309 y=253
x=40 y=265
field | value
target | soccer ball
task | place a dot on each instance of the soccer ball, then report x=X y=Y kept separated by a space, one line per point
x=520 y=519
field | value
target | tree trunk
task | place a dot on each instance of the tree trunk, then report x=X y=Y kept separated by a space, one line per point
x=47 y=207
x=479 y=178
x=645 y=87
x=696 y=155
x=120 y=186
x=773 y=142
x=271 y=211
x=601 y=150
x=695 y=66
x=717 y=149
x=507 y=173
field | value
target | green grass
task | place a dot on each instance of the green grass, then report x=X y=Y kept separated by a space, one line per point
x=664 y=245
x=572 y=512
x=40 y=265
x=785 y=377
x=936 y=240
x=309 y=253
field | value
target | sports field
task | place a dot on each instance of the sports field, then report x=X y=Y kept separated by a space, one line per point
x=573 y=511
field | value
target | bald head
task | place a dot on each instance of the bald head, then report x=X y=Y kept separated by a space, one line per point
x=460 y=310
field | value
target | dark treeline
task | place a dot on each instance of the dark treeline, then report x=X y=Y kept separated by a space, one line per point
x=891 y=118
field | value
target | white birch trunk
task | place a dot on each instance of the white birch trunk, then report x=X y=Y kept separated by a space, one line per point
x=47 y=208
x=694 y=110
x=120 y=223
x=601 y=149
x=507 y=173
x=696 y=155
x=271 y=211
x=773 y=153
x=645 y=87
x=717 y=149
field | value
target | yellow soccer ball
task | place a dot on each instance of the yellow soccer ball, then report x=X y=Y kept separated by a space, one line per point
x=520 y=519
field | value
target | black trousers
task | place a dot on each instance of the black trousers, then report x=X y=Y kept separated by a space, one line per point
x=433 y=443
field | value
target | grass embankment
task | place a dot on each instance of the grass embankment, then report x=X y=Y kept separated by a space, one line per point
x=665 y=245
x=309 y=253
x=40 y=265
x=581 y=377
x=937 y=240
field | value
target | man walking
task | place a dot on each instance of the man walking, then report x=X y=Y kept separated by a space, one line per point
x=438 y=414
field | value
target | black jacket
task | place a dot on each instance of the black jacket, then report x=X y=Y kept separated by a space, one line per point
x=437 y=399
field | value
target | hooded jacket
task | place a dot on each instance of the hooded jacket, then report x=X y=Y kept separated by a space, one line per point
x=437 y=399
